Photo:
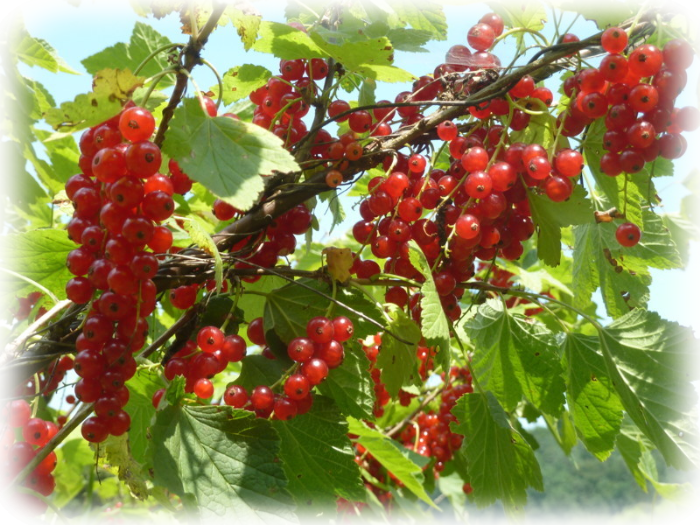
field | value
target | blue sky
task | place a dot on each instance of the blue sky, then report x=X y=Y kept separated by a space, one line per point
x=78 y=32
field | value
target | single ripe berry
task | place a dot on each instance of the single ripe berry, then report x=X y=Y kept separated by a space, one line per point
x=297 y=386
x=320 y=329
x=628 y=234
x=235 y=396
x=136 y=124
x=203 y=388
x=315 y=370
x=36 y=432
x=300 y=349
x=467 y=226
x=342 y=329
x=481 y=36
x=95 y=429
x=262 y=398
x=447 y=130
x=256 y=332
x=614 y=40
x=210 y=339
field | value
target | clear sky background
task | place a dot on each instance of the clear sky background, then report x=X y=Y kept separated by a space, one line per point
x=77 y=32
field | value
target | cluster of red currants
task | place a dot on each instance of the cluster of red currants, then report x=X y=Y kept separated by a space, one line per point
x=16 y=454
x=433 y=437
x=314 y=355
x=198 y=361
x=635 y=94
x=119 y=199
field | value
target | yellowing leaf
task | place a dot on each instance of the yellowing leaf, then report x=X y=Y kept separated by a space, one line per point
x=339 y=262
x=111 y=87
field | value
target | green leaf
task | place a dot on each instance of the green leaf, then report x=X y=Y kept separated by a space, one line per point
x=604 y=13
x=15 y=181
x=394 y=457
x=550 y=217
x=682 y=230
x=258 y=370
x=241 y=81
x=682 y=494
x=286 y=42
x=593 y=267
x=631 y=444
x=115 y=456
x=424 y=16
x=37 y=52
x=500 y=463
x=411 y=40
x=226 y=459
x=370 y=58
x=594 y=405
x=227 y=156
x=140 y=407
x=647 y=360
x=350 y=385
x=515 y=356
x=656 y=248
x=318 y=458
x=529 y=15
x=398 y=360
x=111 y=87
x=74 y=457
x=201 y=238
x=247 y=25
x=253 y=305
x=541 y=130
x=288 y=309
x=40 y=256
x=334 y=206
x=144 y=41
x=434 y=325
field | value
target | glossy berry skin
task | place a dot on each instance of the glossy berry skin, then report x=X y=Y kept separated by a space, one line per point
x=262 y=398
x=467 y=226
x=342 y=329
x=315 y=370
x=95 y=429
x=568 y=162
x=210 y=339
x=558 y=188
x=297 y=386
x=320 y=330
x=136 y=124
x=36 y=432
x=285 y=409
x=447 y=130
x=614 y=40
x=628 y=234
x=203 y=388
x=235 y=396
x=495 y=21
x=256 y=332
x=300 y=349
x=233 y=348
x=481 y=36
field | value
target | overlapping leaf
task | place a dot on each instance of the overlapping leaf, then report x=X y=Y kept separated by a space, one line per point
x=550 y=217
x=227 y=156
x=40 y=256
x=397 y=359
x=224 y=460
x=318 y=457
x=501 y=464
x=649 y=361
x=515 y=356
x=144 y=41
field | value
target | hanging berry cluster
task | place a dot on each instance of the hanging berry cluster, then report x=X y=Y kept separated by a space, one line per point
x=120 y=200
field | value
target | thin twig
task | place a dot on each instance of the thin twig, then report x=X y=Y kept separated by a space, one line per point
x=11 y=349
